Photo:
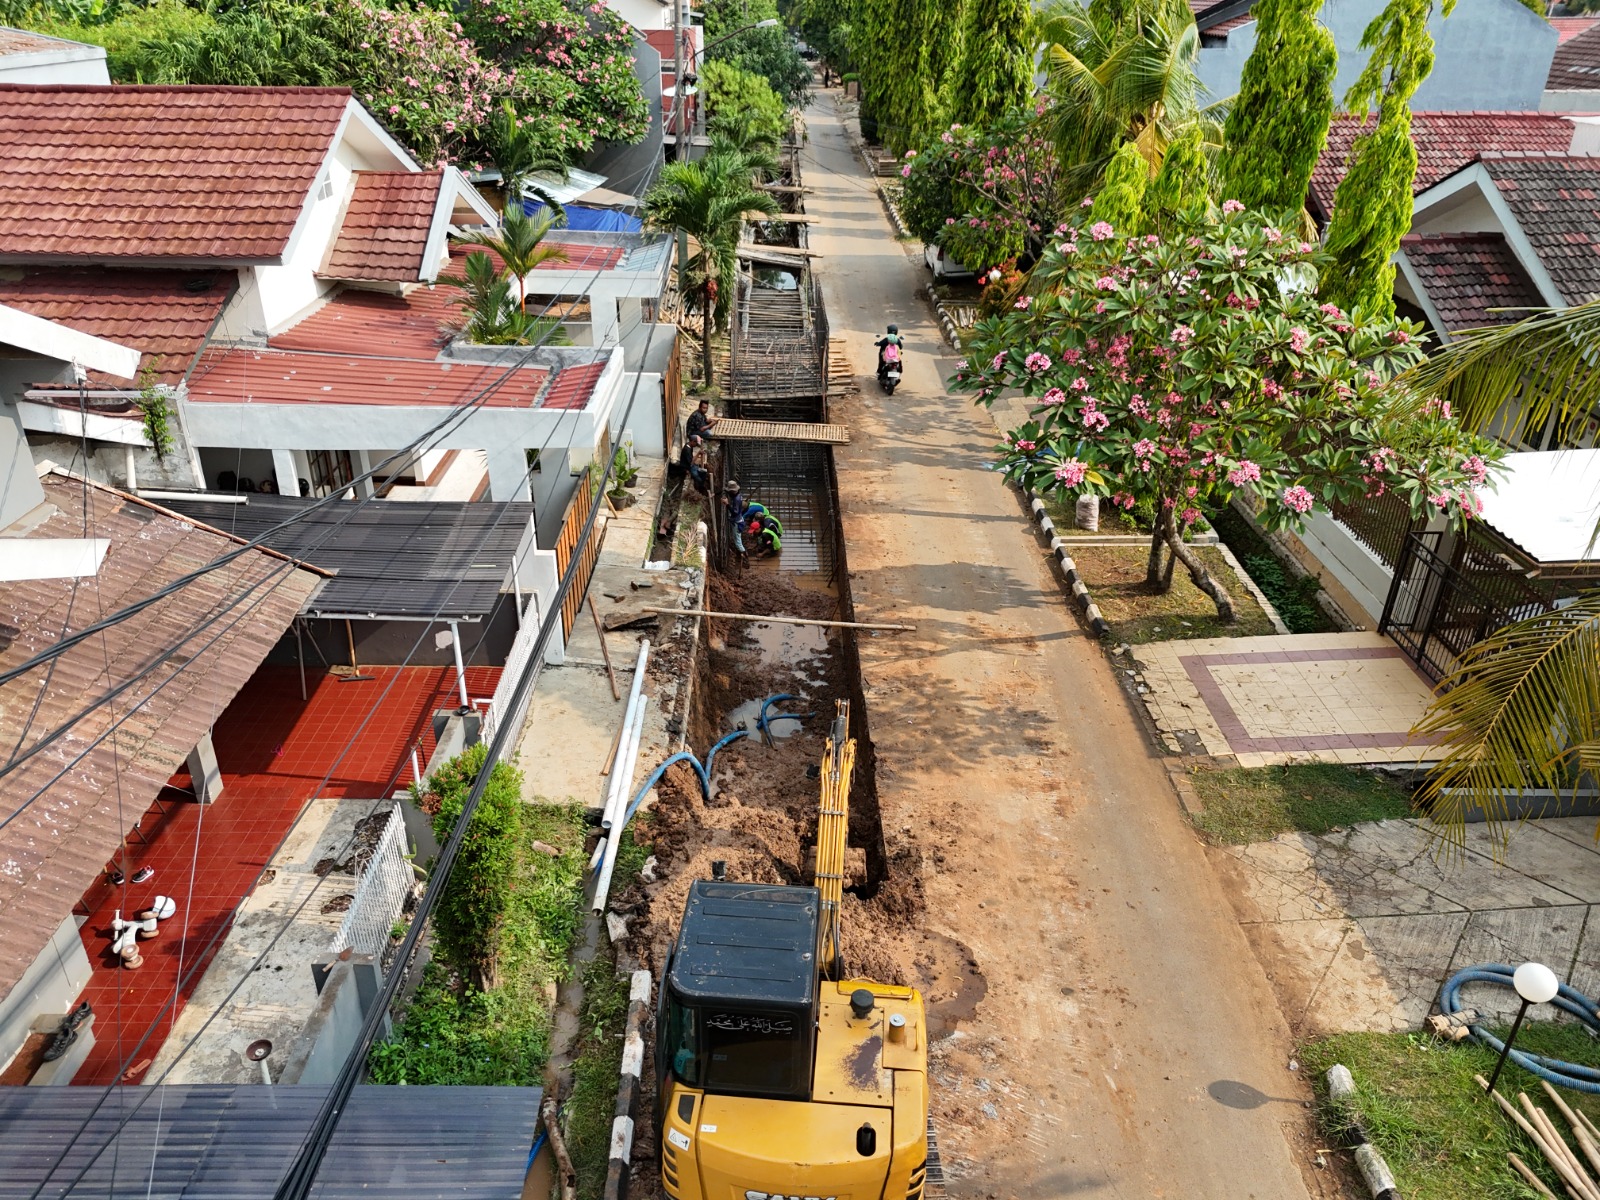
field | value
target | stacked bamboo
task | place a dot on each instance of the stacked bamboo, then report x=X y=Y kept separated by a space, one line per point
x=1578 y=1171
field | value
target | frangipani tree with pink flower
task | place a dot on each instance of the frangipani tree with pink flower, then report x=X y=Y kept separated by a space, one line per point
x=1186 y=368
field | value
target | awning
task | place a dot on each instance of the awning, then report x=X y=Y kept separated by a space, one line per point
x=208 y=1140
x=393 y=559
x=1548 y=504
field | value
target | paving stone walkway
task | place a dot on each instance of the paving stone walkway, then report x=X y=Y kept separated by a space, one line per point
x=1329 y=697
x=1359 y=928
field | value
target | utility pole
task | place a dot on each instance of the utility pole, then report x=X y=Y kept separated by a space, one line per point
x=678 y=87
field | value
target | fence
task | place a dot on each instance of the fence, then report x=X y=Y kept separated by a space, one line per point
x=1439 y=605
x=381 y=892
x=568 y=545
x=1380 y=523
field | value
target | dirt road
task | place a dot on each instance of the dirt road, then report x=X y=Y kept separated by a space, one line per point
x=1128 y=1044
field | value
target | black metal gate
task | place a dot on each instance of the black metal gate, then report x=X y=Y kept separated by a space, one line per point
x=1446 y=598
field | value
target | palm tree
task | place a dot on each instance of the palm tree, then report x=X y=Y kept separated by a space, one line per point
x=489 y=316
x=518 y=246
x=708 y=201
x=1522 y=709
x=1122 y=73
x=519 y=155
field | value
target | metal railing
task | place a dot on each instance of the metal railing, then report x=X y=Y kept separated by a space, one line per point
x=381 y=892
x=1380 y=523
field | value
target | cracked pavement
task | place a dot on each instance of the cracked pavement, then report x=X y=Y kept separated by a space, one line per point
x=1359 y=928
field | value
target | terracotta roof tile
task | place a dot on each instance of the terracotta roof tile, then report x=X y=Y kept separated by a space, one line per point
x=1568 y=28
x=1446 y=142
x=1576 y=65
x=59 y=845
x=188 y=174
x=1556 y=200
x=166 y=315
x=385 y=227
x=25 y=41
x=1466 y=276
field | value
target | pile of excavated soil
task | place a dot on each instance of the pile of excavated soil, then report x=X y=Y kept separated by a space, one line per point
x=762 y=818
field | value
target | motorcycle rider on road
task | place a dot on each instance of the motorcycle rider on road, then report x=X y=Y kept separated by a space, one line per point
x=891 y=338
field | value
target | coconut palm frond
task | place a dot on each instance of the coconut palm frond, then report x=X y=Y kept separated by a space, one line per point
x=1548 y=362
x=1520 y=713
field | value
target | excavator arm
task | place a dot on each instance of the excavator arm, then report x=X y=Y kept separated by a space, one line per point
x=833 y=829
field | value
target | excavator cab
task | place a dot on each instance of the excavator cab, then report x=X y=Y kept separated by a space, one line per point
x=776 y=1079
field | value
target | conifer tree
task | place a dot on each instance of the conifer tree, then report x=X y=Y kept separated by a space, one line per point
x=994 y=70
x=1279 y=121
x=1372 y=204
x=1183 y=182
x=1121 y=198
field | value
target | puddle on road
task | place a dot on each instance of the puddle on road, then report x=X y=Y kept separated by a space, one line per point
x=952 y=986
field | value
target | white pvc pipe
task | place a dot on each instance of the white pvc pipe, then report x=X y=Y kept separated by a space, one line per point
x=615 y=783
x=613 y=841
x=621 y=780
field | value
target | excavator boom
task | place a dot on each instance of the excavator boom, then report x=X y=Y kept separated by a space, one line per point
x=833 y=830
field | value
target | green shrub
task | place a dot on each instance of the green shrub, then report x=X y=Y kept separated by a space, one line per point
x=1294 y=596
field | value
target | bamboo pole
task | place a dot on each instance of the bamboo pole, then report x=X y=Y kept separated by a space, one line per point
x=1574 y=1169
x=568 y=1177
x=605 y=652
x=1551 y=1154
x=1591 y=1150
x=731 y=616
x=1533 y=1180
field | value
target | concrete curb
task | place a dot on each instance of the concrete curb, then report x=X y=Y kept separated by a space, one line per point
x=1069 y=569
x=1376 y=1173
x=893 y=210
x=946 y=322
x=628 y=1089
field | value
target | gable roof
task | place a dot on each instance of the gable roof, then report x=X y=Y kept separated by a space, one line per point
x=1568 y=28
x=1446 y=142
x=93 y=785
x=175 y=174
x=1556 y=201
x=165 y=315
x=1467 y=275
x=384 y=233
x=1576 y=65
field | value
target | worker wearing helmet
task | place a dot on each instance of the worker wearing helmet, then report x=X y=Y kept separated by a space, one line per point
x=733 y=499
x=765 y=534
x=891 y=338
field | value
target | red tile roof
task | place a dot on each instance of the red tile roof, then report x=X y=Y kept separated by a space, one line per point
x=245 y=376
x=25 y=41
x=356 y=322
x=185 y=174
x=1446 y=142
x=385 y=227
x=89 y=795
x=166 y=315
x=573 y=387
x=1576 y=65
x=582 y=256
x=1468 y=275
x=1568 y=28
x=1556 y=201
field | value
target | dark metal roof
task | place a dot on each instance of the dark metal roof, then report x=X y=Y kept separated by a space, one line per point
x=391 y=558
x=236 y=1142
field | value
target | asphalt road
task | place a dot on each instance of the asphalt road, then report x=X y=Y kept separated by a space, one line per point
x=1128 y=1043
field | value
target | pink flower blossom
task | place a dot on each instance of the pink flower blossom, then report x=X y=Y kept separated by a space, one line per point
x=1143 y=448
x=1093 y=419
x=1054 y=396
x=1086 y=202
x=1037 y=361
x=1190 y=515
x=998 y=361
x=1475 y=469
x=905 y=171
x=1025 y=444
x=1181 y=335
x=1297 y=499
x=1232 y=206
x=1023 y=302
x=1399 y=337
x=1332 y=310
x=1080 y=384
x=1101 y=231
x=1298 y=339
x=1070 y=473
x=1245 y=472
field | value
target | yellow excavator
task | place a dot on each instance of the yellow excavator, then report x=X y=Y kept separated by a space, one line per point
x=778 y=1079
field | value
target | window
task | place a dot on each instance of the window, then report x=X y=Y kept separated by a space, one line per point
x=331 y=471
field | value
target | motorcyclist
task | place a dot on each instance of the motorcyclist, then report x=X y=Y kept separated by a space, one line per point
x=891 y=338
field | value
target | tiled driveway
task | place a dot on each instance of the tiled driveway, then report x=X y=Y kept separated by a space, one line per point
x=1333 y=697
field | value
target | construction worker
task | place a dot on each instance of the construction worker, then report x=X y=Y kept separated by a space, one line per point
x=758 y=509
x=737 y=507
x=700 y=421
x=765 y=534
x=693 y=461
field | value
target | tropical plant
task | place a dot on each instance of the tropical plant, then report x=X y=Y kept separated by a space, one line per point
x=518 y=244
x=1521 y=712
x=572 y=69
x=125 y=30
x=1279 y=121
x=741 y=106
x=1372 y=204
x=1122 y=73
x=992 y=72
x=519 y=155
x=767 y=51
x=1181 y=370
x=708 y=200
x=273 y=45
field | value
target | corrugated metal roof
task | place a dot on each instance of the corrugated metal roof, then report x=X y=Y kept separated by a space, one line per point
x=233 y=1142
x=392 y=558
x=244 y=376
x=90 y=798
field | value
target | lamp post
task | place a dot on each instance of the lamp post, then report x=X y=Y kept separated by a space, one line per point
x=1536 y=984
x=681 y=81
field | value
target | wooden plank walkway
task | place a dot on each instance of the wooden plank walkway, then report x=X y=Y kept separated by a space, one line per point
x=781 y=431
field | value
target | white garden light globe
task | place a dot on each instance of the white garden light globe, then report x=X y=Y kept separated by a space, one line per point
x=1536 y=983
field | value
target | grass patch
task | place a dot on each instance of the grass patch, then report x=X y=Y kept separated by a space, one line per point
x=1113 y=521
x=453 y=1033
x=1443 y=1138
x=1255 y=804
x=1115 y=578
x=596 y=1070
x=1294 y=596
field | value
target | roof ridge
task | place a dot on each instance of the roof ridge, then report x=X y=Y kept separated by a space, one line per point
x=1551 y=155
x=1459 y=236
x=101 y=89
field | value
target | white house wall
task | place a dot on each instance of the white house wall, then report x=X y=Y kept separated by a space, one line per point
x=1488 y=54
x=74 y=63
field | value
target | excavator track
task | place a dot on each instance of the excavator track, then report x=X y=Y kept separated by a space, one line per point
x=933 y=1183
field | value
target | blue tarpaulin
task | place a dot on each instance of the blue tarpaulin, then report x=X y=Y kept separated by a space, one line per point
x=578 y=217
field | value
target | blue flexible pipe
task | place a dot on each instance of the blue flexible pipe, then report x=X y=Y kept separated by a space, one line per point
x=1569 y=1000
x=763 y=721
x=711 y=755
x=538 y=1145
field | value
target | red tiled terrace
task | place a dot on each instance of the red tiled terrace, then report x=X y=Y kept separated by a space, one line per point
x=275 y=751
